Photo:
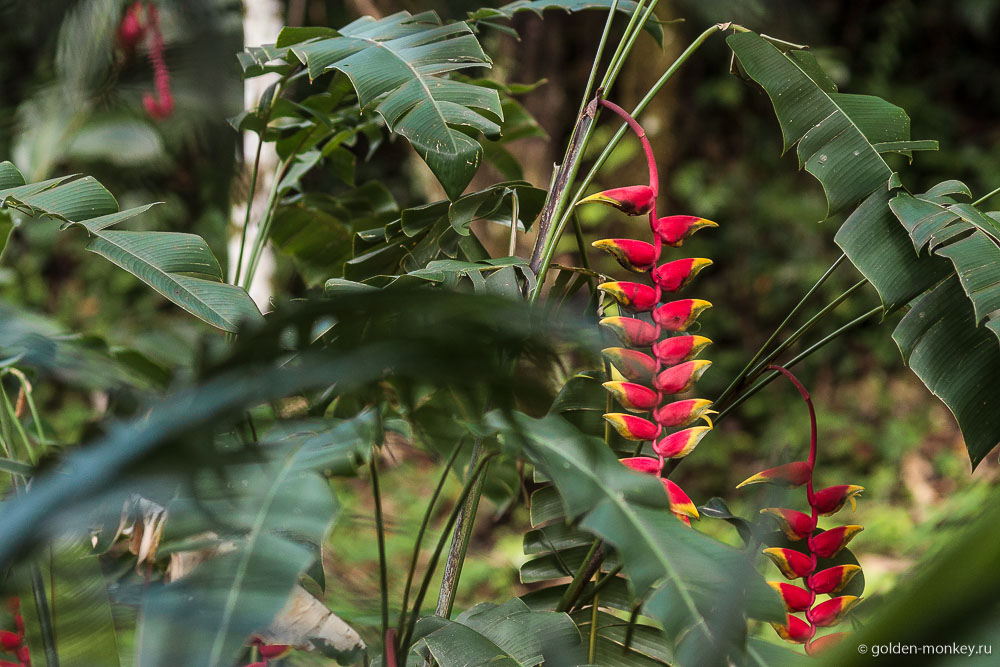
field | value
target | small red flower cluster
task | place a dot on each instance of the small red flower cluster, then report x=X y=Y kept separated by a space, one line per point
x=672 y=367
x=798 y=526
x=268 y=652
x=13 y=642
x=131 y=31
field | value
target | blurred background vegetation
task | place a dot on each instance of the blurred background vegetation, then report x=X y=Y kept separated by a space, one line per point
x=718 y=146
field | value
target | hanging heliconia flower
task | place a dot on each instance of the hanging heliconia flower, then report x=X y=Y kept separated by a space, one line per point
x=801 y=527
x=653 y=378
x=13 y=642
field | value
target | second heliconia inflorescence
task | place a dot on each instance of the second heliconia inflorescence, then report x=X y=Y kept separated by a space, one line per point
x=652 y=320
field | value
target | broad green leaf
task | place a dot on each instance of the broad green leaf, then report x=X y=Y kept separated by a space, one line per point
x=537 y=7
x=684 y=573
x=508 y=634
x=236 y=593
x=10 y=176
x=395 y=64
x=880 y=248
x=957 y=361
x=174 y=264
x=835 y=132
x=121 y=141
x=648 y=646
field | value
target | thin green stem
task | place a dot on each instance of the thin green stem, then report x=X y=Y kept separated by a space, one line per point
x=765 y=380
x=597 y=587
x=985 y=197
x=615 y=67
x=808 y=324
x=264 y=227
x=423 y=529
x=436 y=556
x=585 y=98
x=9 y=408
x=738 y=380
x=593 y=631
x=551 y=239
x=583 y=574
x=380 y=526
x=512 y=246
x=620 y=48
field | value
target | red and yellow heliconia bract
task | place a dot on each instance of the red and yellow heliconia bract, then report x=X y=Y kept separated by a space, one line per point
x=636 y=297
x=830 y=500
x=631 y=427
x=679 y=315
x=632 y=364
x=673 y=230
x=680 y=443
x=680 y=378
x=678 y=349
x=794 y=524
x=795 y=597
x=630 y=200
x=789 y=475
x=683 y=413
x=793 y=564
x=633 y=255
x=832 y=579
x=829 y=543
x=632 y=332
x=632 y=396
x=794 y=630
x=681 y=504
x=675 y=275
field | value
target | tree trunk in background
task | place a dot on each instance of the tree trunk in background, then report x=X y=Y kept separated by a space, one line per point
x=262 y=20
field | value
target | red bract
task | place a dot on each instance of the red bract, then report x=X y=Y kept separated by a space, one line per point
x=675 y=275
x=676 y=350
x=633 y=396
x=636 y=297
x=631 y=427
x=833 y=579
x=679 y=315
x=795 y=525
x=680 y=503
x=642 y=464
x=793 y=564
x=634 y=365
x=682 y=413
x=832 y=611
x=831 y=499
x=680 y=444
x=824 y=643
x=790 y=475
x=794 y=597
x=794 y=630
x=10 y=640
x=673 y=230
x=633 y=255
x=829 y=543
x=630 y=200
x=680 y=378
x=630 y=331
x=131 y=30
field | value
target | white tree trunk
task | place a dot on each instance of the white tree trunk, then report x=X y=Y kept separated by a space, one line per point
x=261 y=24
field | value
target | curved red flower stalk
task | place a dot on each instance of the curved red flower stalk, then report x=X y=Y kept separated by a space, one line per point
x=13 y=642
x=653 y=379
x=799 y=526
x=131 y=30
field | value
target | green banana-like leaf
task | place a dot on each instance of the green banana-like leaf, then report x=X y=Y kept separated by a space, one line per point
x=488 y=14
x=682 y=574
x=510 y=634
x=840 y=137
x=396 y=65
x=647 y=646
x=181 y=267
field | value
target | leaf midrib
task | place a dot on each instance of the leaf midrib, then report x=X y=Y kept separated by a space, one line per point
x=170 y=278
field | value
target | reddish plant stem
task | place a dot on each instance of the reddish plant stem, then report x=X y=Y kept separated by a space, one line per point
x=809 y=484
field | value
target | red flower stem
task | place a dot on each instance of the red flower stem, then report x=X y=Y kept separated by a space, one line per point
x=809 y=485
x=654 y=180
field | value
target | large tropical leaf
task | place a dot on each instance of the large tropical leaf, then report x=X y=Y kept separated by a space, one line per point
x=927 y=251
x=511 y=634
x=181 y=267
x=396 y=65
x=687 y=580
x=840 y=137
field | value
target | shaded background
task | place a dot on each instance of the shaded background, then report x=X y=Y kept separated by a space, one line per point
x=71 y=106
